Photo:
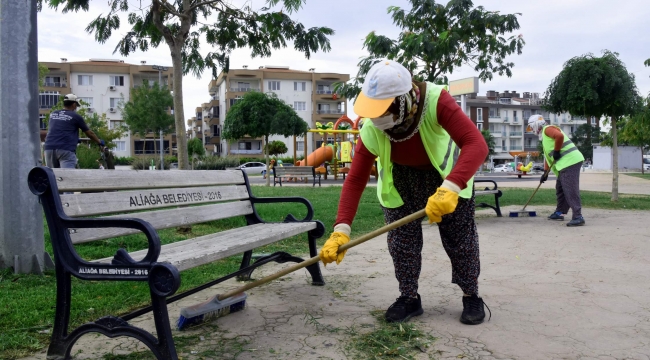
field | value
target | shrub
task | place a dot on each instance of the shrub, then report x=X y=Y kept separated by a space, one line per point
x=127 y=160
x=216 y=163
x=88 y=157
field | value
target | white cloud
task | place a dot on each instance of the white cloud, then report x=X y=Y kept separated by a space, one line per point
x=554 y=30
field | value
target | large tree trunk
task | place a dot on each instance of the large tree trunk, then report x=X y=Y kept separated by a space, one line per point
x=179 y=113
x=266 y=155
x=614 y=161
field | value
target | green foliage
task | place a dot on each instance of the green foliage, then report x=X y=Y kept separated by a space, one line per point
x=124 y=160
x=217 y=163
x=262 y=115
x=88 y=157
x=147 y=109
x=593 y=86
x=489 y=140
x=435 y=39
x=275 y=148
x=195 y=147
x=584 y=137
x=42 y=72
x=187 y=26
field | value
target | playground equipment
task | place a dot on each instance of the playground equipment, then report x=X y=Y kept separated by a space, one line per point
x=336 y=154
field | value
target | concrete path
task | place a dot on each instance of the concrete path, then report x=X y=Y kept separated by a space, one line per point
x=555 y=293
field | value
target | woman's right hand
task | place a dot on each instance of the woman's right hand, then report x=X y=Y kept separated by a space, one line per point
x=330 y=251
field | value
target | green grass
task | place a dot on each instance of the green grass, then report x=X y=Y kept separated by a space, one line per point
x=27 y=302
x=642 y=176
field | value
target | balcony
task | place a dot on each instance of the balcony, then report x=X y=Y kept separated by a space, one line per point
x=515 y=119
x=246 y=152
x=243 y=89
x=55 y=84
x=505 y=119
x=335 y=112
x=324 y=92
x=516 y=147
x=516 y=134
x=497 y=133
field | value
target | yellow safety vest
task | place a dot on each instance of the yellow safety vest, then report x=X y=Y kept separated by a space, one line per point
x=570 y=155
x=440 y=148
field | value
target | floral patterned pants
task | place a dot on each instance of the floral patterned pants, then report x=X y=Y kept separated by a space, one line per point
x=457 y=231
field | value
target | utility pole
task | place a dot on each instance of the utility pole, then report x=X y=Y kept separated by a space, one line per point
x=21 y=218
x=160 y=70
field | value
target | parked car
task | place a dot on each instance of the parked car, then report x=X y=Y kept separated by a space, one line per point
x=503 y=168
x=252 y=167
x=173 y=166
x=646 y=164
x=538 y=166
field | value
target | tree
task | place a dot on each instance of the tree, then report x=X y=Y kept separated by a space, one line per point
x=42 y=72
x=195 y=148
x=634 y=130
x=595 y=86
x=147 y=110
x=584 y=137
x=184 y=24
x=489 y=140
x=435 y=39
x=276 y=147
x=262 y=115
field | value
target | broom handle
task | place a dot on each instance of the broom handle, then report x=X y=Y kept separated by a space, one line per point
x=315 y=259
x=540 y=184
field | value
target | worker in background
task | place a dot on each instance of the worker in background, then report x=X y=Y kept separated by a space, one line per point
x=63 y=135
x=566 y=161
x=428 y=151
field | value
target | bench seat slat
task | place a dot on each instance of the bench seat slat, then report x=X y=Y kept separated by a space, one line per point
x=93 y=180
x=164 y=219
x=191 y=253
x=87 y=204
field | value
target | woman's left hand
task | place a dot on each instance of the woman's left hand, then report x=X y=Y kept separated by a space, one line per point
x=443 y=202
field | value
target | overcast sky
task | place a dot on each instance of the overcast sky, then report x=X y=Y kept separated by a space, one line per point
x=554 y=31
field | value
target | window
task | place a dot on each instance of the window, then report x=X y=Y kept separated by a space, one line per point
x=274 y=86
x=299 y=86
x=301 y=145
x=529 y=142
x=115 y=124
x=479 y=126
x=503 y=144
x=117 y=81
x=235 y=100
x=514 y=115
x=324 y=89
x=41 y=120
x=300 y=105
x=119 y=145
x=330 y=140
x=323 y=108
x=85 y=80
x=245 y=145
x=87 y=100
x=114 y=102
x=216 y=131
x=52 y=81
x=47 y=99
x=479 y=114
x=494 y=112
x=526 y=114
x=244 y=86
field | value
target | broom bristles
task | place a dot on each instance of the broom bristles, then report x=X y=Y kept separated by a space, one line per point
x=209 y=310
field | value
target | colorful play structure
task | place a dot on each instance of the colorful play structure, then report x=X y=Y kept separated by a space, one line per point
x=336 y=150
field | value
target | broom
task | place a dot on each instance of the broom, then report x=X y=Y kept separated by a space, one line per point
x=235 y=300
x=530 y=213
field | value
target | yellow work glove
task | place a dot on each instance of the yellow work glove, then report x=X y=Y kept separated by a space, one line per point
x=443 y=202
x=329 y=253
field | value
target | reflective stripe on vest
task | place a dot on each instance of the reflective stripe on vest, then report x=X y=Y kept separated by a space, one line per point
x=569 y=154
x=436 y=142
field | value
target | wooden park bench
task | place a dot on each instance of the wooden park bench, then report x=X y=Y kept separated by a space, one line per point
x=280 y=172
x=487 y=191
x=117 y=203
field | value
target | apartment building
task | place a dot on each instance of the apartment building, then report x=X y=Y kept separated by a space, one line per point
x=506 y=115
x=310 y=93
x=103 y=84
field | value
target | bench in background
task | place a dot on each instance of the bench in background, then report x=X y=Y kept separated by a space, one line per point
x=487 y=191
x=280 y=172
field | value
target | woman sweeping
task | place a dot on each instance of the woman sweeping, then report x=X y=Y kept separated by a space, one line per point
x=428 y=151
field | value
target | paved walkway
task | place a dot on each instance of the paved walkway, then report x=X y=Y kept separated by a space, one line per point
x=555 y=293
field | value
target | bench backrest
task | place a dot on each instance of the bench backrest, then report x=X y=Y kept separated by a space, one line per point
x=293 y=170
x=163 y=198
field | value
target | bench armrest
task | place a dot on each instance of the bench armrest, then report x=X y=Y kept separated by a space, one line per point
x=122 y=256
x=487 y=181
x=275 y=200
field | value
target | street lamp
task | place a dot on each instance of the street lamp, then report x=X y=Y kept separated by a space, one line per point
x=160 y=70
